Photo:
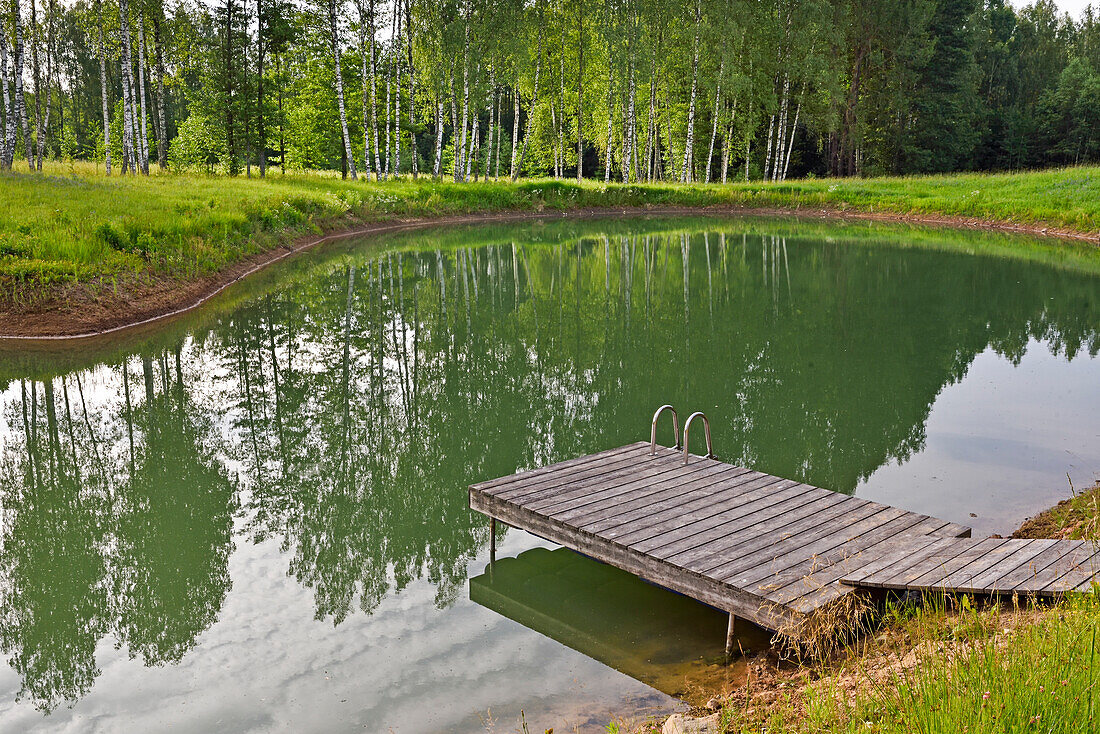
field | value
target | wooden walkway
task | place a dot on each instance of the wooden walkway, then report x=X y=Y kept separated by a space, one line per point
x=760 y=547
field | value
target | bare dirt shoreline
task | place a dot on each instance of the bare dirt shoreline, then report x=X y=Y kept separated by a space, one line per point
x=86 y=312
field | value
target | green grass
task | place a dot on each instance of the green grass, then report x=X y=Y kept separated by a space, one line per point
x=991 y=670
x=72 y=224
x=978 y=671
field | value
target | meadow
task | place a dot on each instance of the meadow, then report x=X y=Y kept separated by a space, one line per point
x=72 y=224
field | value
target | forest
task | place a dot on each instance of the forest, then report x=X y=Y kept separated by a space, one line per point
x=611 y=90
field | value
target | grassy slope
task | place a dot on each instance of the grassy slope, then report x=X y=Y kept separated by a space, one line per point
x=73 y=224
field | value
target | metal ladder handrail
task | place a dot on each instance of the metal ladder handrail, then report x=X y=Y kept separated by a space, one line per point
x=653 y=428
x=706 y=426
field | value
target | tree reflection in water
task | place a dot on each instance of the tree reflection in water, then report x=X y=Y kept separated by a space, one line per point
x=343 y=411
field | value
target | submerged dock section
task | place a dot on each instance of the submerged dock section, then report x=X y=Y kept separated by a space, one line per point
x=763 y=548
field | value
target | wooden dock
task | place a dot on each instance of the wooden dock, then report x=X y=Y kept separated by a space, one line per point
x=763 y=548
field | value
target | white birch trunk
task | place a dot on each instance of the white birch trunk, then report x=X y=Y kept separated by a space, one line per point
x=491 y=112
x=556 y=145
x=50 y=68
x=438 y=140
x=714 y=122
x=7 y=135
x=768 y=155
x=515 y=129
x=781 y=132
x=103 y=93
x=33 y=31
x=389 y=93
x=461 y=151
x=129 y=161
x=651 y=127
x=794 y=128
x=412 y=93
x=499 y=131
x=561 y=116
x=454 y=129
x=366 y=62
x=471 y=153
x=687 y=173
x=726 y=149
x=143 y=127
x=534 y=103
x=748 y=150
x=397 y=90
x=162 y=136
x=374 y=95
x=334 y=45
x=631 y=113
x=610 y=110
x=20 y=100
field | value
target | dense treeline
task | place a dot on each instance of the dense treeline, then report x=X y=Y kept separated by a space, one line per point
x=639 y=90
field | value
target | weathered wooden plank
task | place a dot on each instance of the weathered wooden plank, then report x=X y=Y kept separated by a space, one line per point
x=754 y=568
x=684 y=581
x=491 y=486
x=637 y=492
x=860 y=565
x=635 y=511
x=794 y=538
x=727 y=496
x=773 y=529
x=1071 y=556
x=827 y=567
x=1084 y=571
x=1010 y=556
x=907 y=569
x=765 y=497
x=747 y=535
x=962 y=567
x=569 y=479
x=1012 y=580
x=669 y=467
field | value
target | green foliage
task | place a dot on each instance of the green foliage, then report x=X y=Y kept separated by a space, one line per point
x=199 y=144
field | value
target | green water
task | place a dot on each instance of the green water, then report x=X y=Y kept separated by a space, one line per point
x=254 y=518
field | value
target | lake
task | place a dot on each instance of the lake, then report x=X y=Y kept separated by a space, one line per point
x=254 y=518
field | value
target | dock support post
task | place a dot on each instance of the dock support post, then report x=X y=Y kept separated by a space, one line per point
x=492 y=540
x=729 y=638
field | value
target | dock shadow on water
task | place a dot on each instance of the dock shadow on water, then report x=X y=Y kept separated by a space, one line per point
x=656 y=636
x=257 y=515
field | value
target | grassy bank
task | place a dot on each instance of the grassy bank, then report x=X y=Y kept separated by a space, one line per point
x=74 y=225
x=946 y=665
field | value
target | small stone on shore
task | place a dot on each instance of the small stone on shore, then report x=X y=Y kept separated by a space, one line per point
x=680 y=724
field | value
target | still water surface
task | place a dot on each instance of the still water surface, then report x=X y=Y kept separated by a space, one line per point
x=254 y=519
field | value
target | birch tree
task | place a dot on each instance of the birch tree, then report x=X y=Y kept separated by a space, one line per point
x=334 y=45
x=17 y=72
x=7 y=136
x=687 y=172
x=127 y=65
x=34 y=32
x=534 y=99
x=143 y=126
x=103 y=90
x=158 y=44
